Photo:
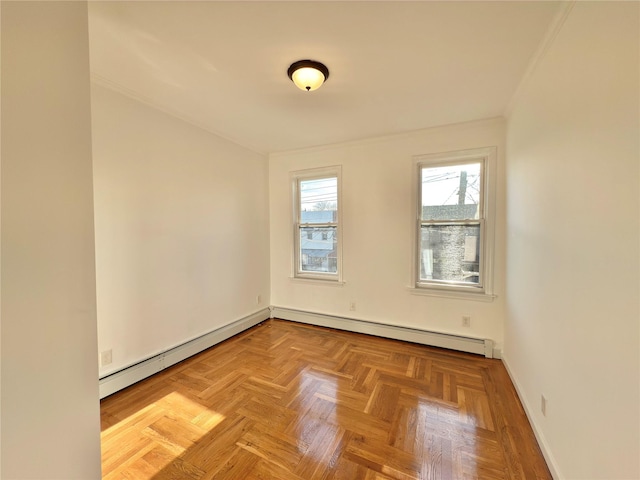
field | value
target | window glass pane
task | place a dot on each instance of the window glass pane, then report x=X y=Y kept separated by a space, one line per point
x=450 y=253
x=318 y=200
x=451 y=192
x=318 y=250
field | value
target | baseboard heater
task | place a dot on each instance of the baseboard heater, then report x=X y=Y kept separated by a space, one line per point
x=480 y=346
x=131 y=374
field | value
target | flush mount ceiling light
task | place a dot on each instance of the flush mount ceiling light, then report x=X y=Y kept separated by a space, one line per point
x=307 y=74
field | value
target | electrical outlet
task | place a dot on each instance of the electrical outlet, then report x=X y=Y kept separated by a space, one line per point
x=106 y=357
x=352 y=306
x=466 y=321
x=259 y=299
x=543 y=405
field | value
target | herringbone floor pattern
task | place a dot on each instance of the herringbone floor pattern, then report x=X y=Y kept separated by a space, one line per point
x=294 y=402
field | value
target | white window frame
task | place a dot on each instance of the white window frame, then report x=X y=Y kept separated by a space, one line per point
x=487 y=157
x=296 y=178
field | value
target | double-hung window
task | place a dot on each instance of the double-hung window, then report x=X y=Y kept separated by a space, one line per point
x=454 y=221
x=316 y=202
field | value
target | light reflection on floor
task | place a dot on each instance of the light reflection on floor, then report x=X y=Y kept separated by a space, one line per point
x=171 y=405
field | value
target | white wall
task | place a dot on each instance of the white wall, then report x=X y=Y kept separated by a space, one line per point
x=182 y=222
x=378 y=231
x=50 y=409
x=0 y=243
x=572 y=325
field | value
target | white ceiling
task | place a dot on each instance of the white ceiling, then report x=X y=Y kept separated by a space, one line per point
x=394 y=66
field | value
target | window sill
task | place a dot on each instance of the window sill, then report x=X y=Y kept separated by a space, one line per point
x=318 y=281
x=442 y=293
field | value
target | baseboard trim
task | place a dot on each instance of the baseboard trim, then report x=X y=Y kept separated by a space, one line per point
x=542 y=442
x=480 y=346
x=134 y=373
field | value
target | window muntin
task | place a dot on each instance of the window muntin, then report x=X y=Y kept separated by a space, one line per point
x=317 y=245
x=452 y=221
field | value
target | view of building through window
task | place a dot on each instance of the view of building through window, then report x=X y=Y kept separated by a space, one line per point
x=318 y=225
x=450 y=227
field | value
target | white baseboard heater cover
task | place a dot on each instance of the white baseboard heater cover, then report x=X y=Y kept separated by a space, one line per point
x=131 y=374
x=480 y=346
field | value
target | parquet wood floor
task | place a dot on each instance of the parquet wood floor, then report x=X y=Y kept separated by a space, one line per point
x=287 y=401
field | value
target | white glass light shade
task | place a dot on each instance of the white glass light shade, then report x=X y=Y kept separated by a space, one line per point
x=307 y=78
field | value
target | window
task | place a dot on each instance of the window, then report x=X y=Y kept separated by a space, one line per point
x=454 y=226
x=316 y=224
